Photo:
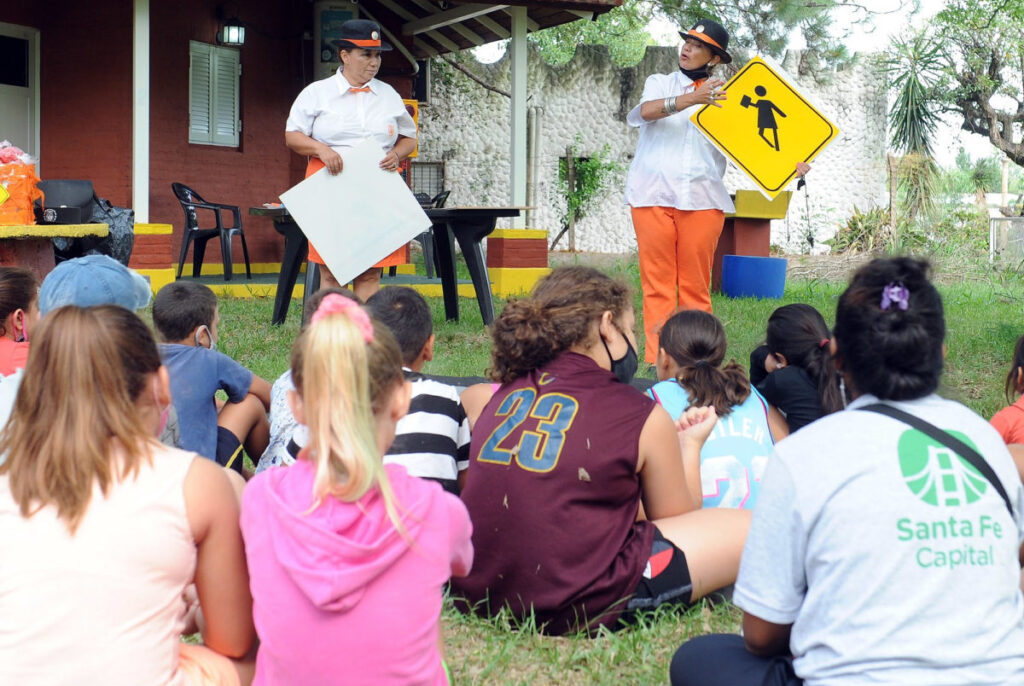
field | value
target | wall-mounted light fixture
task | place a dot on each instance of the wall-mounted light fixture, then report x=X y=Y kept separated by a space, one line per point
x=231 y=32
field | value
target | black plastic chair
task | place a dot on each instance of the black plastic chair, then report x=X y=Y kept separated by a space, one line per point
x=190 y=203
x=426 y=238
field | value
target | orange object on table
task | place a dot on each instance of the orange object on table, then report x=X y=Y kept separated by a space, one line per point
x=21 y=183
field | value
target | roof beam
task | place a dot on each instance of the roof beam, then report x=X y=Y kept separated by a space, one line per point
x=458 y=27
x=437 y=36
x=455 y=15
x=530 y=23
x=494 y=27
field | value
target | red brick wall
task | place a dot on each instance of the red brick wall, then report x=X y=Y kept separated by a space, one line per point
x=86 y=94
x=275 y=65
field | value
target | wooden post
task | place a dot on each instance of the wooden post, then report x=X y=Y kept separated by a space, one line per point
x=570 y=182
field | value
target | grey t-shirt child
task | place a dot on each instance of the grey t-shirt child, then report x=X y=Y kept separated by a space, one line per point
x=894 y=560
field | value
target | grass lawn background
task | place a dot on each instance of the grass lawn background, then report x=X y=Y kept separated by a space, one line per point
x=983 y=317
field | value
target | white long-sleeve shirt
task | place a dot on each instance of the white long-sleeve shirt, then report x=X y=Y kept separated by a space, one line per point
x=674 y=165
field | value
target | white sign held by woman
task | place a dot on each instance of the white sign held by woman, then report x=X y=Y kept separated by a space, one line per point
x=359 y=216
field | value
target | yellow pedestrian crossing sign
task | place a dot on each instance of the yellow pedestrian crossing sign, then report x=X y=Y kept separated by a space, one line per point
x=765 y=126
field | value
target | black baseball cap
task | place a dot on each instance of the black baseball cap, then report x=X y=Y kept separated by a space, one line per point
x=360 y=33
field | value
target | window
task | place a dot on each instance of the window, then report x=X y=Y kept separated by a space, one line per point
x=427 y=177
x=213 y=77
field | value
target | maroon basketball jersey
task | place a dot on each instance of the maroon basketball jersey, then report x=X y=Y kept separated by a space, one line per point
x=553 y=492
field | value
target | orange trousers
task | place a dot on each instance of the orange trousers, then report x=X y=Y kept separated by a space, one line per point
x=677 y=249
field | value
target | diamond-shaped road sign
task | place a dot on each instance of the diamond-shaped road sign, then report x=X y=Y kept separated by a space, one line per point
x=765 y=126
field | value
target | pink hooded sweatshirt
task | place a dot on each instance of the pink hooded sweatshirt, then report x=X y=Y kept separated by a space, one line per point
x=339 y=596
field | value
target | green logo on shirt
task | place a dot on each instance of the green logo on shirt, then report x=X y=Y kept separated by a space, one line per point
x=936 y=474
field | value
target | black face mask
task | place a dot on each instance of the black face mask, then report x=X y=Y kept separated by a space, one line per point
x=625 y=367
x=696 y=74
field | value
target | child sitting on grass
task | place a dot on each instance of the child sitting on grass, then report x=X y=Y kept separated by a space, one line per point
x=878 y=552
x=691 y=349
x=287 y=436
x=432 y=439
x=185 y=315
x=793 y=370
x=562 y=456
x=102 y=528
x=1009 y=421
x=19 y=312
x=348 y=556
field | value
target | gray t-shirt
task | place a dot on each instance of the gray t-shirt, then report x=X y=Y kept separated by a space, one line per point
x=894 y=560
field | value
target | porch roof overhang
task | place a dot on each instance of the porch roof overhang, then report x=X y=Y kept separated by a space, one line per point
x=436 y=27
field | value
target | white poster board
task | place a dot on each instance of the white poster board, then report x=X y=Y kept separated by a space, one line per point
x=358 y=217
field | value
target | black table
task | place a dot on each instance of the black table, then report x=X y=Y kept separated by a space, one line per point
x=296 y=248
x=469 y=226
x=466 y=225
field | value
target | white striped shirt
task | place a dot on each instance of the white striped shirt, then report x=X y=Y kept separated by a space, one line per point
x=432 y=440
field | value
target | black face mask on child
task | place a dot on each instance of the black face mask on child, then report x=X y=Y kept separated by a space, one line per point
x=625 y=367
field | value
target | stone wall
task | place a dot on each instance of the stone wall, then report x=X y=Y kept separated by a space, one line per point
x=587 y=99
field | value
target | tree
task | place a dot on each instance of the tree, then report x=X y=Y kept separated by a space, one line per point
x=756 y=26
x=984 y=69
x=914 y=66
x=623 y=30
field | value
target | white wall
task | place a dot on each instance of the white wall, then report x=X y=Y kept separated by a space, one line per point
x=468 y=127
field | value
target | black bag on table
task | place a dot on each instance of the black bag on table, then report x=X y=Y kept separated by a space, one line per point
x=73 y=201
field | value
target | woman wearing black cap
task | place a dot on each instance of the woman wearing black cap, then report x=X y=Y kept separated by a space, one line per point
x=674 y=188
x=343 y=110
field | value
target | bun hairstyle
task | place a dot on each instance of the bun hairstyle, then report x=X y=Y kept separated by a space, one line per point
x=88 y=368
x=800 y=334
x=696 y=341
x=19 y=288
x=345 y=367
x=560 y=313
x=1014 y=386
x=891 y=352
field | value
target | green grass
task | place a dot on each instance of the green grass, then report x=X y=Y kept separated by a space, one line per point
x=983 y=312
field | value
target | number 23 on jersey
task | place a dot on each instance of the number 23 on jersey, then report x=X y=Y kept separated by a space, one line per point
x=539 y=448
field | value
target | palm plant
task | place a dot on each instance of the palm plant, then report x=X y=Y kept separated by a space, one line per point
x=914 y=65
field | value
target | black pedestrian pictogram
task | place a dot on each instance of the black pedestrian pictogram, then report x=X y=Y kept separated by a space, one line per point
x=766 y=110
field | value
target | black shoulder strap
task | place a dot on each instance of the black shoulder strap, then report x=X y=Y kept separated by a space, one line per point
x=952 y=442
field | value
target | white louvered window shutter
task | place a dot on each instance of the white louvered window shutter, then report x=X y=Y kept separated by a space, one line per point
x=214 y=74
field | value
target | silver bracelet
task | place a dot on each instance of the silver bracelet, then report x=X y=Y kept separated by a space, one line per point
x=669 y=106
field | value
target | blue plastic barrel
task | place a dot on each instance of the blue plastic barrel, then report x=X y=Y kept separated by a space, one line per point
x=753 y=277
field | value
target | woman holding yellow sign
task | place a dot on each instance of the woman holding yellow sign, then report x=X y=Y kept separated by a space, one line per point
x=674 y=188
x=675 y=191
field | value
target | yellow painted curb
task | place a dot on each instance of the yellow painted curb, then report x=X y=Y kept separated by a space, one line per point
x=211 y=268
x=53 y=230
x=158 y=278
x=518 y=233
x=153 y=229
x=506 y=281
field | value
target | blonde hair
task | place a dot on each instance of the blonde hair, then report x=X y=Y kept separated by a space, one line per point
x=344 y=381
x=76 y=403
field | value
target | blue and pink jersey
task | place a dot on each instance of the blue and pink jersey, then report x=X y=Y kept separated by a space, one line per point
x=735 y=454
